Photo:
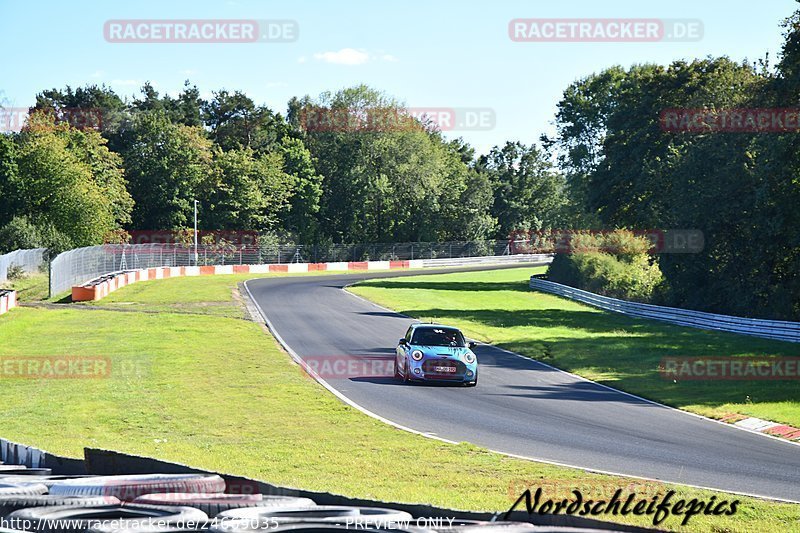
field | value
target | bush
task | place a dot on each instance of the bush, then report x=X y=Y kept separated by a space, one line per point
x=616 y=264
x=19 y=234
x=15 y=272
x=22 y=234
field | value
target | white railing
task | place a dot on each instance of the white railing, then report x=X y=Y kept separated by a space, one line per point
x=770 y=329
x=466 y=261
x=78 y=266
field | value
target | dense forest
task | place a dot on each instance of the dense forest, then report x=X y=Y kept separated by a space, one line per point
x=89 y=163
x=90 y=166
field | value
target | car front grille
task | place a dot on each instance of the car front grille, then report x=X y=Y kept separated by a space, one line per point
x=429 y=367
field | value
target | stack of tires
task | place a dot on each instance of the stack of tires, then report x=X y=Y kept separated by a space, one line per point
x=188 y=503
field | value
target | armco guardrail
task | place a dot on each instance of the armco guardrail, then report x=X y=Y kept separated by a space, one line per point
x=770 y=329
x=28 y=260
x=102 y=286
x=75 y=267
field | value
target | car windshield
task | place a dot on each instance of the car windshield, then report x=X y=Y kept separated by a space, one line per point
x=438 y=337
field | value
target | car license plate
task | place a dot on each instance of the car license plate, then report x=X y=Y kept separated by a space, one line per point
x=450 y=369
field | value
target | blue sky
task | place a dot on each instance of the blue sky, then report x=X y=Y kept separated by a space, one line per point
x=426 y=53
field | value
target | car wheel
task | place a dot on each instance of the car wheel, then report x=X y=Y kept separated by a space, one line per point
x=397 y=370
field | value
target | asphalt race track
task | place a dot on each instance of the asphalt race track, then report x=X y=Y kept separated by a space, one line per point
x=520 y=406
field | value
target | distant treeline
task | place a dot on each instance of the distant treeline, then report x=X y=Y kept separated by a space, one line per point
x=90 y=165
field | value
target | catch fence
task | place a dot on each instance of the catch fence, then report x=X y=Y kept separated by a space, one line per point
x=77 y=266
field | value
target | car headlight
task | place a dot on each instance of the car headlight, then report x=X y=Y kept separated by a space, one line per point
x=469 y=357
x=416 y=355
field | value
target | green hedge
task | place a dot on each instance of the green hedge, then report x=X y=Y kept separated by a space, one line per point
x=615 y=264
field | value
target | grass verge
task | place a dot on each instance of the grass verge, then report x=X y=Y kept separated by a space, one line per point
x=30 y=287
x=218 y=393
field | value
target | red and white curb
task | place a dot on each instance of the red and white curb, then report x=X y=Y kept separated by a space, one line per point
x=763 y=426
x=105 y=285
x=8 y=301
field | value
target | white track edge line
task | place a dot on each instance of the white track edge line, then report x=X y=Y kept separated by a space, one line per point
x=581 y=378
x=311 y=372
x=376 y=416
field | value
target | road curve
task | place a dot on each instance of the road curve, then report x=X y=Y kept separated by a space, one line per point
x=520 y=406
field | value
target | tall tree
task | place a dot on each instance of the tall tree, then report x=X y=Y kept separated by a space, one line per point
x=246 y=191
x=166 y=166
x=528 y=191
x=66 y=187
x=236 y=121
x=302 y=217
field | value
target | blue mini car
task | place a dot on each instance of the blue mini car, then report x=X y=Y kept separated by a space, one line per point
x=432 y=352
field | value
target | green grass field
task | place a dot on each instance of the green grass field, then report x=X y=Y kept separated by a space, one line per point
x=499 y=308
x=203 y=387
x=30 y=287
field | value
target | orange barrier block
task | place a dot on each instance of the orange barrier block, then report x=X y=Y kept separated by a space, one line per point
x=85 y=294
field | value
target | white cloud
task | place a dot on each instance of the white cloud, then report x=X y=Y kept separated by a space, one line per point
x=350 y=56
x=345 y=56
x=98 y=74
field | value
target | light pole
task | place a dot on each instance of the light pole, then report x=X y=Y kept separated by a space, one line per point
x=195 y=234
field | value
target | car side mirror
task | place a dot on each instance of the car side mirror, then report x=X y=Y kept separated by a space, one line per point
x=403 y=342
x=471 y=344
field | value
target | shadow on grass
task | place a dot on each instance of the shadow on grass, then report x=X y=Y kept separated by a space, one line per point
x=459 y=286
x=589 y=321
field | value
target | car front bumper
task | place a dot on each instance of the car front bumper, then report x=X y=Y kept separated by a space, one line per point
x=426 y=370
